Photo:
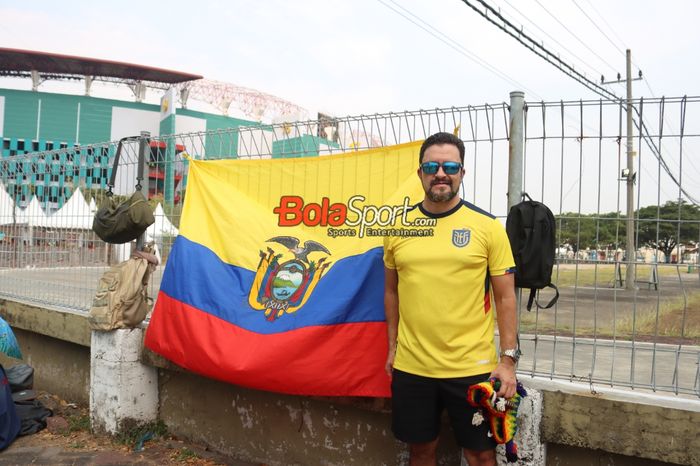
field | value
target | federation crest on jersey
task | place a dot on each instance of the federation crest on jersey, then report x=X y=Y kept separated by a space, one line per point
x=460 y=238
x=283 y=286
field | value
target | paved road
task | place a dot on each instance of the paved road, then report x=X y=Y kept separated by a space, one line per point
x=658 y=367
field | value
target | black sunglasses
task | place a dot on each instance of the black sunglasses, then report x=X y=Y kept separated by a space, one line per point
x=450 y=168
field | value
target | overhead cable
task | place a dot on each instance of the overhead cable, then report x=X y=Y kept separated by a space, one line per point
x=417 y=21
x=576 y=37
x=598 y=27
x=540 y=50
x=549 y=35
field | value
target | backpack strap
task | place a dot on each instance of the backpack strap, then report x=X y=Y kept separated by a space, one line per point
x=531 y=299
x=113 y=176
x=551 y=303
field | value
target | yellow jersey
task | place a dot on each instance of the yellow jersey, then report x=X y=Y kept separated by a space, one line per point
x=446 y=323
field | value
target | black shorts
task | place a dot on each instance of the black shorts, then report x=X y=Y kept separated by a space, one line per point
x=416 y=409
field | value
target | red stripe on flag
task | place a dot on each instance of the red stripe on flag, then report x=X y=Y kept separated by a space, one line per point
x=487 y=302
x=329 y=360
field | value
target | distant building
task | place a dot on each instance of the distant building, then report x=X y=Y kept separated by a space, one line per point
x=33 y=121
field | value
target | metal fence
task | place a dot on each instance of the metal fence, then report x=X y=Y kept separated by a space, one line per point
x=602 y=331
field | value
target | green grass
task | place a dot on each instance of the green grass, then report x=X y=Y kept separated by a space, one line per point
x=78 y=423
x=604 y=274
x=130 y=435
x=672 y=319
x=185 y=454
x=675 y=321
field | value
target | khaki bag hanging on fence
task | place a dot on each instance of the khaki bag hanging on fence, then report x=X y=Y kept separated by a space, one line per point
x=121 y=300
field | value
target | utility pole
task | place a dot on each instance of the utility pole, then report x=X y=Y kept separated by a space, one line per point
x=631 y=250
x=629 y=174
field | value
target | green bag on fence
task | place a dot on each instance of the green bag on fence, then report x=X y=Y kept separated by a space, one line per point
x=119 y=223
x=125 y=221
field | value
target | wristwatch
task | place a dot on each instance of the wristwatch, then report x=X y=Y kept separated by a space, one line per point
x=512 y=353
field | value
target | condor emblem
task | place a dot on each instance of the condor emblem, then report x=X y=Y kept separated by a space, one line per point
x=460 y=238
x=281 y=287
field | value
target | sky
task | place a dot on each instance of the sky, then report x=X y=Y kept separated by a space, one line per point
x=364 y=56
x=360 y=57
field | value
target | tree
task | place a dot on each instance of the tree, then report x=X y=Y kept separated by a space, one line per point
x=593 y=231
x=669 y=225
x=660 y=227
x=665 y=245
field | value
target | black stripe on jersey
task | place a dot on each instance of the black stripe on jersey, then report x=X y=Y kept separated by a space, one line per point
x=413 y=207
x=444 y=214
x=471 y=206
x=463 y=203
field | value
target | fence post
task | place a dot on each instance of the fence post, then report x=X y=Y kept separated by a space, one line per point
x=123 y=391
x=529 y=435
x=142 y=175
x=167 y=134
x=515 y=147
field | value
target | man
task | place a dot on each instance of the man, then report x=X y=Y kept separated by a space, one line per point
x=438 y=309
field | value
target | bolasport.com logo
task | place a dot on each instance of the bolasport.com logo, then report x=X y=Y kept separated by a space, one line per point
x=352 y=218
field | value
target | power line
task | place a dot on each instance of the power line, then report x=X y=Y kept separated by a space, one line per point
x=539 y=50
x=598 y=27
x=612 y=29
x=665 y=121
x=548 y=35
x=425 y=26
x=646 y=81
x=576 y=37
x=459 y=48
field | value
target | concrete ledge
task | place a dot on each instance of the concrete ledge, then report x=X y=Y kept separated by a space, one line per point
x=632 y=424
x=63 y=325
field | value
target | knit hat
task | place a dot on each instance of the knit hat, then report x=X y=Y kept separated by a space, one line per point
x=500 y=413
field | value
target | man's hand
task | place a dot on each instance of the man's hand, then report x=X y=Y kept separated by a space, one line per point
x=389 y=366
x=505 y=372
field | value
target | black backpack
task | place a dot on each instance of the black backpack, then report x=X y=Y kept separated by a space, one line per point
x=531 y=231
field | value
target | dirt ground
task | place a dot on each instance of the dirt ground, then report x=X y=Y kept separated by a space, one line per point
x=68 y=438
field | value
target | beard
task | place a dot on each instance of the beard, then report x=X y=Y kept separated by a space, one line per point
x=443 y=196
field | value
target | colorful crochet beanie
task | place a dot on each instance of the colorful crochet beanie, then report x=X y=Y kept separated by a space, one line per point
x=499 y=412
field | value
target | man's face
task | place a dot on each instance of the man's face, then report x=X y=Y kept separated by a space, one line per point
x=441 y=187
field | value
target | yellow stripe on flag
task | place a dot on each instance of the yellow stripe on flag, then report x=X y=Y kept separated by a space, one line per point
x=227 y=197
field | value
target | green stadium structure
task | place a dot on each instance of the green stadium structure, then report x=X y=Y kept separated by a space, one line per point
x=41 y=123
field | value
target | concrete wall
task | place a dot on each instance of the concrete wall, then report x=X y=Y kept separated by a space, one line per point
x=581 y=428
x=281 y=429
x=56 y=345
x=566 y=455
x=632 y=429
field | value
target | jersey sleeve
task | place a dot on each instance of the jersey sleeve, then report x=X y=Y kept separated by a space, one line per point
x=389 y=253
x=500 y=255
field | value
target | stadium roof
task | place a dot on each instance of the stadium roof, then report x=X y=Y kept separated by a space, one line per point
x=16 y=62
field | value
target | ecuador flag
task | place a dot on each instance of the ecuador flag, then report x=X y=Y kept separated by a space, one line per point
x=276 y=281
